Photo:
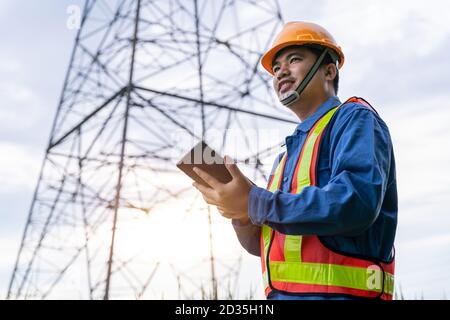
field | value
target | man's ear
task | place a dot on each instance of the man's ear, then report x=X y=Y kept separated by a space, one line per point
x=330 y=71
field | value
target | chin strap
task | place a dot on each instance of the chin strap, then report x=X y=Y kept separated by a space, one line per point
x=294 y=95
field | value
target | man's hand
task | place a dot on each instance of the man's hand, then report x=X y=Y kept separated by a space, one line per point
x=230 y=198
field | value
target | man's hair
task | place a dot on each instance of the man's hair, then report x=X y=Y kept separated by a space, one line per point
x=327 y=60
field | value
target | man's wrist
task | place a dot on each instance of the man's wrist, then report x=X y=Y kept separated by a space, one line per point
x=244 y=221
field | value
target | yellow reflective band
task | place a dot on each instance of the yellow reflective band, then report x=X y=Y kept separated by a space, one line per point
x=293 y=248
x=266 y=232
x=331 y=275
x=303 y=178
x=277 y=175
x=265 y=280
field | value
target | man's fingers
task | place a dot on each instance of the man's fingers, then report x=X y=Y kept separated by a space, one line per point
x=213 y=182
x=203 y=189
x=206 y=192
x=232 y=167
x=209 y=201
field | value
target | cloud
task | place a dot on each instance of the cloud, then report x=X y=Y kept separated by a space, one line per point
x=427 y=242
x=18 y=169
x=4 y=7
x=359 y=24
x=22 y=108
x=8 y=248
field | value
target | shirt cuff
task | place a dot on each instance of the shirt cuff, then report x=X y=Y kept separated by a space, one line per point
x=258 y=205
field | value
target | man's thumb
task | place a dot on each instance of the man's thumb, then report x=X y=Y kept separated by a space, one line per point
x=232 y=167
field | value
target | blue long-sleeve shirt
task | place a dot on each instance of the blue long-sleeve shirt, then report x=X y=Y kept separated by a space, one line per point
x=353 y=208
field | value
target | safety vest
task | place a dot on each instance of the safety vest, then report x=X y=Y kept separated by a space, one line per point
x=303 y=264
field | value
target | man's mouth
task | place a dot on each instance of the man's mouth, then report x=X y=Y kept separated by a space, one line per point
x=284 y=85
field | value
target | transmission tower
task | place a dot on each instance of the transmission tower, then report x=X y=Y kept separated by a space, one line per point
x=147 y=79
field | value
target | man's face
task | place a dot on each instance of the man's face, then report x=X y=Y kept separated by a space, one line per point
x=290 y=68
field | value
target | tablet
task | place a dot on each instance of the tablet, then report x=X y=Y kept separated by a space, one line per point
x=205 y=158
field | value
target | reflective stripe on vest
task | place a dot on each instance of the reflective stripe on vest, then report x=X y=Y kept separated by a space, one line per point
x=297 y=276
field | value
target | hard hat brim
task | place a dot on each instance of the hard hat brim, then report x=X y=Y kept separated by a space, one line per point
x=268 y=57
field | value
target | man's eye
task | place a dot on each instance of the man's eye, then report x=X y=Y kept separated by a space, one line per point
x=293 y=59
x=275 y=69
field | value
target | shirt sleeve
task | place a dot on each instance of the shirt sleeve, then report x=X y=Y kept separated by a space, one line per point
x=360 y=152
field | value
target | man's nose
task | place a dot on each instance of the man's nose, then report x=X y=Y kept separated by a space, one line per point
x=282 y=71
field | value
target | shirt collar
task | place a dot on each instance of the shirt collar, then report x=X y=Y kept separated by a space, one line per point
x=307 y=124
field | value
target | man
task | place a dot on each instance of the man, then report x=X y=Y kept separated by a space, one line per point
x=325 y=225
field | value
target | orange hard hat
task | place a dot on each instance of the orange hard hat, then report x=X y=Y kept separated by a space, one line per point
x=301 y=33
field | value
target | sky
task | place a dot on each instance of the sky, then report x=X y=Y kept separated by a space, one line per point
x=396 y=58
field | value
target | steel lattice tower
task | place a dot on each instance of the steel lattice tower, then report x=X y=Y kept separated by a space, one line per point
x=146 y=80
